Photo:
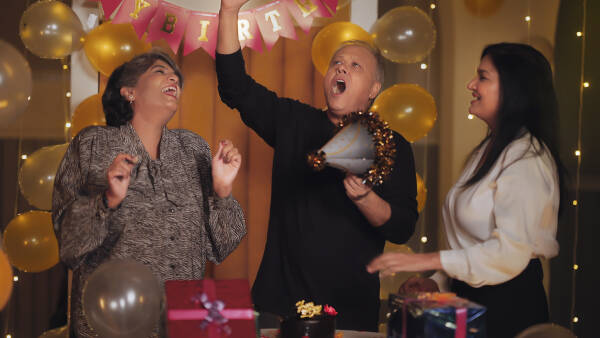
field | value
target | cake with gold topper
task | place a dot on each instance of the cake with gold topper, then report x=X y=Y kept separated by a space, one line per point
x=311 y=321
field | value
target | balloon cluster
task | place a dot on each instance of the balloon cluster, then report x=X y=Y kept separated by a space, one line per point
x=50 y=29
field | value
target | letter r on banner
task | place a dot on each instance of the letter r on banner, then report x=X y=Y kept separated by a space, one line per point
x=244 y=30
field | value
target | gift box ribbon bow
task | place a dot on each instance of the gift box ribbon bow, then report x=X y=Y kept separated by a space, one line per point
x=214 y=314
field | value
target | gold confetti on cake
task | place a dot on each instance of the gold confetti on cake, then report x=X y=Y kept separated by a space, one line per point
x=308 y=310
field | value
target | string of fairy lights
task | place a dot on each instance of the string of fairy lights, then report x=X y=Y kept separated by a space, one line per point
x=581 y=35
x=426 y=67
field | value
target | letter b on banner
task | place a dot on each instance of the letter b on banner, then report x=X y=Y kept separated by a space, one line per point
x=169 y=23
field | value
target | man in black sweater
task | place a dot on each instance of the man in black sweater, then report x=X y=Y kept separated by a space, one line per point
x=325 y=226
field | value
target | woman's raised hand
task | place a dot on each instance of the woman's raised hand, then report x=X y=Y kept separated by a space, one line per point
x=225 y=166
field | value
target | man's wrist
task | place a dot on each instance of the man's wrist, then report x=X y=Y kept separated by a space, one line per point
x=360 y=197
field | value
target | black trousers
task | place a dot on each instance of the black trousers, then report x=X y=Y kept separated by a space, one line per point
x=511 y=306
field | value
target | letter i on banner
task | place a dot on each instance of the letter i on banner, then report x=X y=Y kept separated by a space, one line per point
x=274 y=21
x=138 y=12
x=169 y=23
x=201 y=31
x=248 y=32
x=304 y=11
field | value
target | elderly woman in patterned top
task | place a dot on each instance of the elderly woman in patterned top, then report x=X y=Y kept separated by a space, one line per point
x=135 y=189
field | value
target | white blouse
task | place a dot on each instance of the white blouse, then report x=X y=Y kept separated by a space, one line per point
x=497 y=225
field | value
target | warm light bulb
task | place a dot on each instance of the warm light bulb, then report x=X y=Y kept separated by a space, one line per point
x=65 y=67
x=432 y=6
x=68 y=94
x=24 y=156
x=577 y=153
x=8 y=336
x=586 y=84
x=575 y=202
x=575 y=267
x=470 y=116
x=579 y=34
x=528 y=18
x=575 y=319
x=423 y=66
x=15 y=278
x=424 y=239
x=68 y=124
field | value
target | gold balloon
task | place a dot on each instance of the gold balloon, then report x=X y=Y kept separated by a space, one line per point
x=88 y=113
x=483 y=8
x=404 y=34
x=50 y=29
x=30 y=242
x=391 y=284
x=36 y=175
x=110 y=45
x=60 y=332
x=6 y=279
x=421 y=193
x=408 y=108
x=330 y=38
x=15 y=84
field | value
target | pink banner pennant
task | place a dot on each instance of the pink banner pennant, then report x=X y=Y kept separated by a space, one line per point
x=304 y=11
x=331 y=5
x=168 y=23
x=109 y=6
x=248 y=31
x=201 y=31
x=274 y=21
x=138 y=12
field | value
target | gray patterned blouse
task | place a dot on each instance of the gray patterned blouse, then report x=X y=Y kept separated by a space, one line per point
x=170 y=220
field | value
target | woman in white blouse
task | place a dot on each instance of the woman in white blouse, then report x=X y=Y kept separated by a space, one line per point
x=502 y=214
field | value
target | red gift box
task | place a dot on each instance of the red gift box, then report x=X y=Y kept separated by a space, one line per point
x=209 y=308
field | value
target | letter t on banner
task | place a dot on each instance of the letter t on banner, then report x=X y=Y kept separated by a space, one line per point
x=169 y=23
x=274 y=21
x=201 y=32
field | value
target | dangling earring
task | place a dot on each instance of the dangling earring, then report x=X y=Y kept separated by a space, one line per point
x=130 y=99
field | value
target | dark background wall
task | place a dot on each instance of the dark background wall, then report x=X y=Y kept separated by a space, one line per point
x=568 y=50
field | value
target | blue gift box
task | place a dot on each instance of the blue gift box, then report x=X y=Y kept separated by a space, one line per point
x=435 y=315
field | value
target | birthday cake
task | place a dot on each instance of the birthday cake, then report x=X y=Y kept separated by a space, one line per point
x=311 y=321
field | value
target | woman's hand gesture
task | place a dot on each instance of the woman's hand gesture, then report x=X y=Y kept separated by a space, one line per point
x=225 y=167
x=119 y=175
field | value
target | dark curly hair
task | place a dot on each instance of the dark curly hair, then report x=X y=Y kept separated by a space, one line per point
x=117 y=109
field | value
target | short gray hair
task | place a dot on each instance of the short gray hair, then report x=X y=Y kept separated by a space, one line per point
x=379 y=71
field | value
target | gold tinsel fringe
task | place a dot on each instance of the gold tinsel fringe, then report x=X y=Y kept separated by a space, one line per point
x=385 y=147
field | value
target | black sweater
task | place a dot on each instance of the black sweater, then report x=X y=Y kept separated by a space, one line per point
x=318 y=242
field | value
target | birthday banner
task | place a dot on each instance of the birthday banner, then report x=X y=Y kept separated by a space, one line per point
x=163 y=20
